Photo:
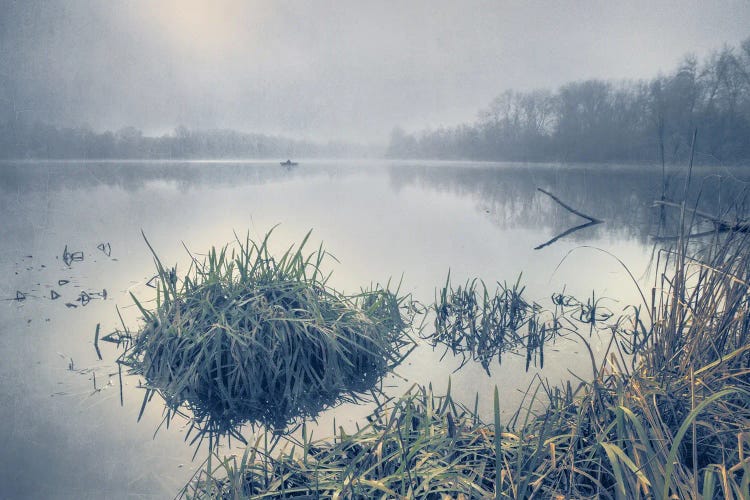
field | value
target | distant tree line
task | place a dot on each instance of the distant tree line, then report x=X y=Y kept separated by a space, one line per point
x=596 y=120
x=21 y=139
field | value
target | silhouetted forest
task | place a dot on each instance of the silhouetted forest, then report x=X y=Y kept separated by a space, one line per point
x=596 y=120
x=21 y=139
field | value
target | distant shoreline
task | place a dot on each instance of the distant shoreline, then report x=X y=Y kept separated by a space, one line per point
x=273 y=161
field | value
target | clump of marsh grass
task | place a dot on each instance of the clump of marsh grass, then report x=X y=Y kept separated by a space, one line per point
x=246 y=337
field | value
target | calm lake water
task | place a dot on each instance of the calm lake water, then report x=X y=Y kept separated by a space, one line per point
x=412 y=221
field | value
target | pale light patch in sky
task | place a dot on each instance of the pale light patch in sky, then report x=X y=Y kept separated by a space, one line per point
x=327 y=69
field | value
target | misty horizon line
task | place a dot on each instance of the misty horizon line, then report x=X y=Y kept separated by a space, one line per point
x=598 y=120
x=175 y=131
x=382 y=141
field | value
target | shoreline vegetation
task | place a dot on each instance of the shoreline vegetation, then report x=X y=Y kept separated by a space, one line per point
x=665 y=415
x=21 y=139
x=604 y=121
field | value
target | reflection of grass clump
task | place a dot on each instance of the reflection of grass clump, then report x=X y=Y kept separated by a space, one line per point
x=249 y=338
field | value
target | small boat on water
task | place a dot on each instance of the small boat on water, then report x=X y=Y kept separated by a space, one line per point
x=288 y=163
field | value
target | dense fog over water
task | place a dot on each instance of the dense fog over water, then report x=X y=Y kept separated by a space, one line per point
x=325 y=70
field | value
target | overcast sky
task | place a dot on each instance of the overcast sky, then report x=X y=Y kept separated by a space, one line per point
x=329 y=69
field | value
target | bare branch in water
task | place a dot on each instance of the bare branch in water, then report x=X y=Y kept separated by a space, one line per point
x=740 y=226
x=592 y=221
x=565 y=233
x=569 y=208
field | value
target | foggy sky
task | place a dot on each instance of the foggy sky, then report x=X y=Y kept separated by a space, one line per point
x=328 y=69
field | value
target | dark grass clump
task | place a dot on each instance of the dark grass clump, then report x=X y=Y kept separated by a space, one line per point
x=249 y=338
x=481 y=326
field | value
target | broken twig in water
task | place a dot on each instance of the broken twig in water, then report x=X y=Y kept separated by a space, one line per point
x=565 y=233
x=569 y=208
x=721 y=225
x=592 y=221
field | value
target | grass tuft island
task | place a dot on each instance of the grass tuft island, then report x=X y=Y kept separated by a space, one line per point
x=250 y=338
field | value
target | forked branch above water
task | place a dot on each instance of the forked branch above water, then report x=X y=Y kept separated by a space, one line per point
x=592 y=221
x=567 y=207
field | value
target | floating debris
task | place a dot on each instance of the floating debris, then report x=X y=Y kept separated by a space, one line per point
x=171 y=277
x=62 y=282
x=117 y=337
x=20 y=296
x=70 y=305
x=84 y=298
x=54 y=295
x=96 y=341
x=106 y=248
x=590 y=312
x=69 y=257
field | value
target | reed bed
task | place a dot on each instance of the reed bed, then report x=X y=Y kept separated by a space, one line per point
x=481 y=326
x=247 y=337
x=420 y=446
x=666 y=414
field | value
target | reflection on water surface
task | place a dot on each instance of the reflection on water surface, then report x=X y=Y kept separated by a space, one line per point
x=411 y=221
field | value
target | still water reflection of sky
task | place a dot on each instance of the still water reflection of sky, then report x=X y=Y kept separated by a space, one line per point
x=406 y=221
